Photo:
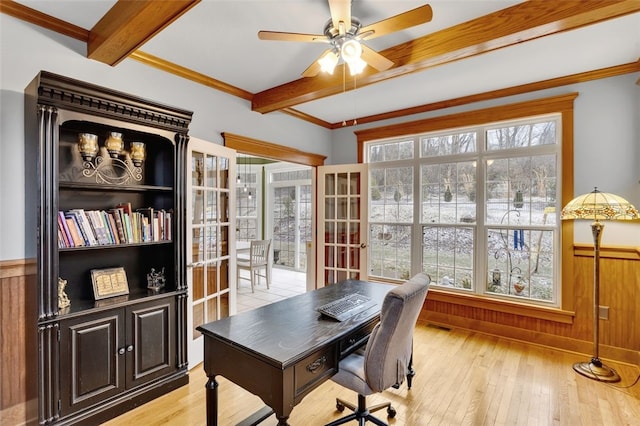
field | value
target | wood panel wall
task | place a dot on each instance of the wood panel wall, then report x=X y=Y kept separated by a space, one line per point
x=619 y=335
x=18 y=343
x=619 y=290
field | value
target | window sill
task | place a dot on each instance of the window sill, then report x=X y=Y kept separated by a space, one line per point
x=509 y=307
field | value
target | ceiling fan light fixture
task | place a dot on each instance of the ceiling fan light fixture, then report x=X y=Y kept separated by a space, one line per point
x=351 y=50
x=328 y=62
x=356 y=66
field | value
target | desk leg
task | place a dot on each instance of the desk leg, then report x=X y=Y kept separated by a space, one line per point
x=212 y=401
x=282 y=421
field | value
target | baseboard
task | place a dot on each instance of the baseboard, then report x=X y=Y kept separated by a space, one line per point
x=585 y=348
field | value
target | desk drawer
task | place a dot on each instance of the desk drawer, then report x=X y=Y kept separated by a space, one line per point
x=315 y=369
x=355 y=340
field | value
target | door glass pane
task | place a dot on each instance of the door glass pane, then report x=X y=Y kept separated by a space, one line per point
x=224 y=275
x=212 y=309
x=224 y=305
x=197 y=169
x=211 y=168
x=212 y=279
x=342 y=208
x=198 y=318
x=198 y=283
x=341 y=232
x=354 y=258
x=354 y=211
x=354 y=233
x=329 y=232
x=224 y=172
x=211 y=200
x=343 y=183
x=329 y=184
x=330 y=208
x=211 y=242
x=197 y=207
x=354 y=187
x=197 y=251
x=330 y=256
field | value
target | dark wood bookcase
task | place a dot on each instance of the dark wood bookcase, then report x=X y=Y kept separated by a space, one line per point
x=99 y=357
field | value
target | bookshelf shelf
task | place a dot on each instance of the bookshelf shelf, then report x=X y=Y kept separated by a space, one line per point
x=112 y=246
x=77 y=186
x=110 y=199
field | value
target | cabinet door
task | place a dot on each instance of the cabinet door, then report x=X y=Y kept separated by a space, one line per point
x=91 y=360
x=151 y=341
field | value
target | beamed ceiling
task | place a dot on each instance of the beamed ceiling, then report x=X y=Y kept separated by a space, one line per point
x=471 y=50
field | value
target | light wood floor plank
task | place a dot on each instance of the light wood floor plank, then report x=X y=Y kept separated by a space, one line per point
x=463 y=378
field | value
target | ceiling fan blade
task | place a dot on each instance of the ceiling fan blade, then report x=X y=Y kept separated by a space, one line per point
x=340 y=12
x=374 y=59
x=279 y=36
x=315 y=67
x=402 y=21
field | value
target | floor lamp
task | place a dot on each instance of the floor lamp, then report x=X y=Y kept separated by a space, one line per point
x=598 y=206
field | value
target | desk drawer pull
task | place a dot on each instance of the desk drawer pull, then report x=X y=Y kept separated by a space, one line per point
x=317 y=364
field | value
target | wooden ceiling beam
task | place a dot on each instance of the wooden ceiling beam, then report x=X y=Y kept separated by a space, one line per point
x=129 y=24
x=523 y=22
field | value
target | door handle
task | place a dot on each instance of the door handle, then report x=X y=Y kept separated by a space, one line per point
x=196 y=264
x=363 y=245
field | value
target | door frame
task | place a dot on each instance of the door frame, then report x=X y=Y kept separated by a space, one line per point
x=259 y=148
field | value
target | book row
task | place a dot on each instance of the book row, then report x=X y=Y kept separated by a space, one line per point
x=119 y=225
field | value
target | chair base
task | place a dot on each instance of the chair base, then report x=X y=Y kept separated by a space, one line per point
x=362 y=413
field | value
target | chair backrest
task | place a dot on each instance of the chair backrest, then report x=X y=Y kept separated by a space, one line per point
x=390 y=345
x=259 y=252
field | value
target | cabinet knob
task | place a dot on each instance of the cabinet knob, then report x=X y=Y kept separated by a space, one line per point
x=129 y=348
x=121 y=351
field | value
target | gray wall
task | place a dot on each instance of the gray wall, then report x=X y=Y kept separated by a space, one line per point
x=606 y=144
x=39 y=49
x=607 y=125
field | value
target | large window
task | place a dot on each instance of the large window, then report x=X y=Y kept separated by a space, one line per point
x=476 y=208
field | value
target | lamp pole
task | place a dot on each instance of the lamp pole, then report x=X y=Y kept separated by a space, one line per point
x=595 y=369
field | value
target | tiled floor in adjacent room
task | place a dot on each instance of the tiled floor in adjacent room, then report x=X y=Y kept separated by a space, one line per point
x=284 y=283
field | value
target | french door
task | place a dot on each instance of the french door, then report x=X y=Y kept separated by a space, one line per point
x=342 y=223
x=211 y=275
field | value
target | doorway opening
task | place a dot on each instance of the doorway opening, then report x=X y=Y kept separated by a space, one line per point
x=274 y=201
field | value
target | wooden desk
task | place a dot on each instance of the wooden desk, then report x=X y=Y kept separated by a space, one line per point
x=282 y=351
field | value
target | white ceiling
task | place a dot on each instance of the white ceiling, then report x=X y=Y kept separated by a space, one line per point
x=218 y=38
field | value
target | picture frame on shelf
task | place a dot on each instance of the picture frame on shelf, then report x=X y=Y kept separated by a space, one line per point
x=109 y=282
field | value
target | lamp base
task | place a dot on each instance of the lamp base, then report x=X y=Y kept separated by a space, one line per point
x=596 y=370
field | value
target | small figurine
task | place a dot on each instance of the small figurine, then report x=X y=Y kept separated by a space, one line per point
x=63 y=299
x=155 y=280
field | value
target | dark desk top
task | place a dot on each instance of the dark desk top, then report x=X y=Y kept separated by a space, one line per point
x=286 y=331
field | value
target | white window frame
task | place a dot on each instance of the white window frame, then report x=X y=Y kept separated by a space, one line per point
x=481 y=259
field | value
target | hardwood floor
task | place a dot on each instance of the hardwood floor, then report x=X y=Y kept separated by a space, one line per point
x=463 y=378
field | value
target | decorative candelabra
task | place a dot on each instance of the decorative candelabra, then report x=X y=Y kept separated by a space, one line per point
x=113 y=169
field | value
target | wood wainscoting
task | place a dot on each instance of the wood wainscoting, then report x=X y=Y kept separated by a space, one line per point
x=619 y=290
x=18 y=343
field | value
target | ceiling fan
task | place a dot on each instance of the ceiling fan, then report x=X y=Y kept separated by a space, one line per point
x=345 y=32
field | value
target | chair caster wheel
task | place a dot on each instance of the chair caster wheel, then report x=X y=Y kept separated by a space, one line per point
x=339 y=406
x=391 y=412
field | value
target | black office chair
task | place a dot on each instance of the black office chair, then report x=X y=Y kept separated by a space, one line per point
x=386 y=360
